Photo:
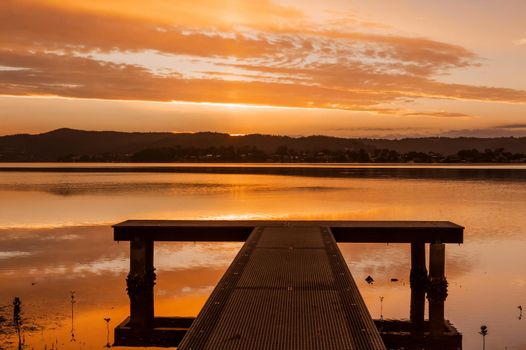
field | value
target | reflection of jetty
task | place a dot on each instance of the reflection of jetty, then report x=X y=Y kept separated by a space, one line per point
x=289 y=287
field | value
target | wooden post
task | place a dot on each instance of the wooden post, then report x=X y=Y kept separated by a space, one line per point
x=418 y=281
x=140 y=282
x=437 y=288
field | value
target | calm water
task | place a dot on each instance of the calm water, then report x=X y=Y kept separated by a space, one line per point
x=55 y=237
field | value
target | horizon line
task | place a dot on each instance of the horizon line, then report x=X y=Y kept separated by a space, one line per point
x=240 y=135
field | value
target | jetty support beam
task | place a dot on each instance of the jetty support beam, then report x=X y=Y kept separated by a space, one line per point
x=140 y=283
x=418 y=281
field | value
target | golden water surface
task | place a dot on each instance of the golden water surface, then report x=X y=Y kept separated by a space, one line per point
x=55 y=238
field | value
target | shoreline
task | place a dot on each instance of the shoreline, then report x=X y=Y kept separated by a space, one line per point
x=408 y=171
x=112 y=165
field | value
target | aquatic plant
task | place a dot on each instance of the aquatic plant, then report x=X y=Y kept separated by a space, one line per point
x=73 y=301
x=17 y=318
x=484 y=333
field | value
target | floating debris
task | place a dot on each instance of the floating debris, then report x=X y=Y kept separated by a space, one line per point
x=520 y=312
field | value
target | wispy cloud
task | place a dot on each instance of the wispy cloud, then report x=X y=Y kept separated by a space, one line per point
x=519 y=42
x=438 y=114
x=256 y=52
x=512 y=126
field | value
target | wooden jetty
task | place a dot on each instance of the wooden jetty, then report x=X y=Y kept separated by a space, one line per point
x=288 y=287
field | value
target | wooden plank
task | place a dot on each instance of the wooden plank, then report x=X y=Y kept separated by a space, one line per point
x=288 y=288
x=343 y=231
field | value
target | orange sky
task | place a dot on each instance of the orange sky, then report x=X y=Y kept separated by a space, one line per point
x=347 y=68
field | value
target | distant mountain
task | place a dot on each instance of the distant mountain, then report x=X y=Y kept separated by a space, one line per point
x=74 y=144
x=52 y=145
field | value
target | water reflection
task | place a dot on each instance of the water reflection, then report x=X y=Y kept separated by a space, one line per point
x=44 y=277
x=418 y=171
x=55 y=254
x=254 y=196
x=86 y=260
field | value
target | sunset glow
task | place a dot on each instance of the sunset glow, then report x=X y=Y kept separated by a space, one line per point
x=359 y=68
x=262 y=174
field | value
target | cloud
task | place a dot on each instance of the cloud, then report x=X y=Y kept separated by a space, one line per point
x=519 y=42
x=64 y=75
x=197 y=13
x=256 y=52
x=438 y=114
x=26 y=24
x=70 y=76
x=36 y=24
x=512 y=126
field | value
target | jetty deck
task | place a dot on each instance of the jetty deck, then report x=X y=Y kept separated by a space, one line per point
x=289 y=286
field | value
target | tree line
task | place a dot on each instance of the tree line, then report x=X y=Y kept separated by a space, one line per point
x=284 y=154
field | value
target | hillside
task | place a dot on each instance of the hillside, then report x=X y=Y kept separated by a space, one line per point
x=118 y=146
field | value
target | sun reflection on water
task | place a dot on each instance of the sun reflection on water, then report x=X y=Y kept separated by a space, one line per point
x=55 y=254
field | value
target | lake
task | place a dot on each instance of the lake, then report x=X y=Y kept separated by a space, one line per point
x=56 y=238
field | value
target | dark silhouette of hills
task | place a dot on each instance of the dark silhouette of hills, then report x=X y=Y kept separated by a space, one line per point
x=78 y=145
